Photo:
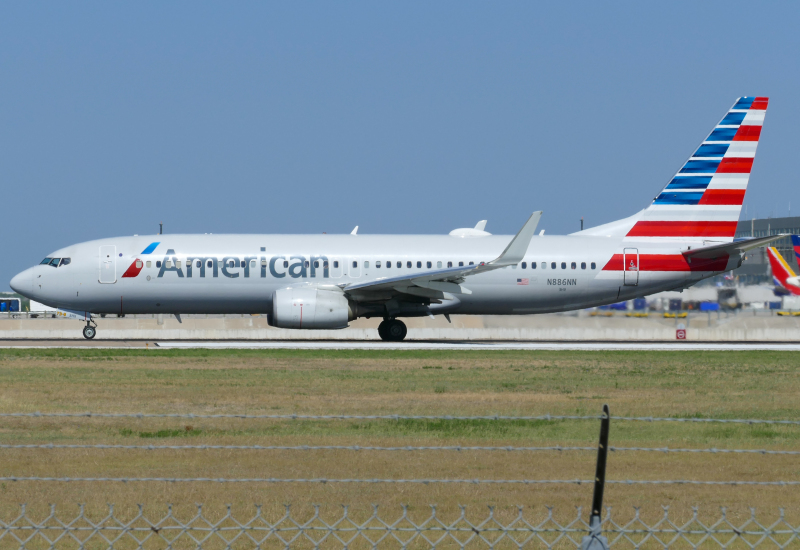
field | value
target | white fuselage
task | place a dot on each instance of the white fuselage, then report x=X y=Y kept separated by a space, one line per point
x=239 y=273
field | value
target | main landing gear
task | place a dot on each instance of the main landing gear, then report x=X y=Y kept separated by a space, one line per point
x=392 y=330
x=90 y=331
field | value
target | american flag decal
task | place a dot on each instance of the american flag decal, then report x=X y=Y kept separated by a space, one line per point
x=522 y=281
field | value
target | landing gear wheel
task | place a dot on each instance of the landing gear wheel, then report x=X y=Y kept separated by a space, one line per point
x=395 y=331
x=382 y=329
x=89 y=332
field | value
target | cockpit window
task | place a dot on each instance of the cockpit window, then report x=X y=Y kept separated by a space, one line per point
x=54 y=262
x=46 y=261
x=64 y=261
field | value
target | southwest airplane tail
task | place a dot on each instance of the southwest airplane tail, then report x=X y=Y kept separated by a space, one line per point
x=782 y=274
x=324 y=281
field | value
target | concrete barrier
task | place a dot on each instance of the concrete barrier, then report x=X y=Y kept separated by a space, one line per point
x=743 y=327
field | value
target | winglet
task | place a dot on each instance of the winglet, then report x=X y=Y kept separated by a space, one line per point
x=354 y=231
x=518 y=246
x=481 y=225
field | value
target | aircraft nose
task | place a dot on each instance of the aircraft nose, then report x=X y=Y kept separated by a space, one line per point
x=22 y=283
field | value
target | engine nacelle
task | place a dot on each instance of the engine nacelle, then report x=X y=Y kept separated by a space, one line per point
x=309 y=308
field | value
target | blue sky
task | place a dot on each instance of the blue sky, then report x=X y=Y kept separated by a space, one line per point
x=304 y=117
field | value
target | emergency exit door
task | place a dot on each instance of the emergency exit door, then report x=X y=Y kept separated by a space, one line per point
x=630 y=266
x=108 y=264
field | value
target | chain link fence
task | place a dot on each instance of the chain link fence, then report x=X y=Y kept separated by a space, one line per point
x=402 y=529
x=313 y=529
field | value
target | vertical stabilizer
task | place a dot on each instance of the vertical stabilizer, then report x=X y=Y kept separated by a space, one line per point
x=703 y=200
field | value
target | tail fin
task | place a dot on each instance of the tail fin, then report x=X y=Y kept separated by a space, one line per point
x=782 y=274
x=704 y=199
x=796 y=247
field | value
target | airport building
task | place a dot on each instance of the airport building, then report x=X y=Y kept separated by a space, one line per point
x=755 y=268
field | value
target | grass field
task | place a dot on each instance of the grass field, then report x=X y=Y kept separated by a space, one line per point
x=672 y=384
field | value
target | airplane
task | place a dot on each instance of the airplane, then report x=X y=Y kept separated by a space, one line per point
x=786 y=282
x=324 y=281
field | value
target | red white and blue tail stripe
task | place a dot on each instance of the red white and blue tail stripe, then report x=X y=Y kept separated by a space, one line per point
x=704 y=199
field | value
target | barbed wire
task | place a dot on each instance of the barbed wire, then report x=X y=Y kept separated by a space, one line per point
x=405 y=448
x=396 y=481
x=546 y=417
x=345 y=529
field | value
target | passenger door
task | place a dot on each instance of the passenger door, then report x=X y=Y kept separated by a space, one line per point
x=108 y=264
x=336 y=268
x=630 y=266
x=354 y=267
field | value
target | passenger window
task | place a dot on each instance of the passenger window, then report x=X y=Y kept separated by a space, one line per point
x=533 y=265
x=168 y=264
x=563 y=265
x=429 y=264
x=472 y=263
x=449 y=264
x=388 y=264
x=583 y=265
x=67 y=261
x=252 y=264
x=438 y=264
x=264 y=262
x=378 y=264
x=573 y=265
x=244 y=263
x=366 y=264
x=46 y=261
x=399 y=265
x=178 y=264
x=419 y=264
x=524 y=265
x=460 y=264
x=285 y=263
x=552 y=265
x=199 y=264
x=355 y=263
x=139 y=264
x=408 y=265
x=149 y=263
x=336 y=263
x=305 y=264
x=325 y=264
x=54 y=262
x=316 y=263
x=158 y=263
x=210 y=264
x=232 y=264
x=594 y=265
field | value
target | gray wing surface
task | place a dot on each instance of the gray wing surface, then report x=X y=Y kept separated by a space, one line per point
x=443 y=283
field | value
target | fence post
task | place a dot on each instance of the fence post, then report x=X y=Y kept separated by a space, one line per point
x=594 y=540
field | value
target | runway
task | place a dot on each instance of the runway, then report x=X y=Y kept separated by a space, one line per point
x=376 y=345
x=484 y=346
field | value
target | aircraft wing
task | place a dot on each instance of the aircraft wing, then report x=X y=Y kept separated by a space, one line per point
x=727 y=249
x=436 y=284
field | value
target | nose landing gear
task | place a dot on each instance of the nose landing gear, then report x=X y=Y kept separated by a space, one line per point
x=90 y=331
x=392 y=330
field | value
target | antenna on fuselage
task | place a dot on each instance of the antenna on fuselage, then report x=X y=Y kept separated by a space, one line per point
x=160 y=227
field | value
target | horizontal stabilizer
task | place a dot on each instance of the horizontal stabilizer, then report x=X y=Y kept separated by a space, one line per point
x=728 y=249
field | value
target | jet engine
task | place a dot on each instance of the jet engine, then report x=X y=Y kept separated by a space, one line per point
x=310 y=308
